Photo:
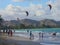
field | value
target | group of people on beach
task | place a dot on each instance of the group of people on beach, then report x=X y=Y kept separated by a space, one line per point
x=41 y=35
x=32 y=35
x=10 y=33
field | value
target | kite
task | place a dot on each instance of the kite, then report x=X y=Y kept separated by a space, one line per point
x=50 y=6
x=27 y=13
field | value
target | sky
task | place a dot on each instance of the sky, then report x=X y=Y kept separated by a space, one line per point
x=38 y=9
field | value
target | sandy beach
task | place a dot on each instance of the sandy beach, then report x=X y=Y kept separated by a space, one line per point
x=22 y=38
x=16 y=40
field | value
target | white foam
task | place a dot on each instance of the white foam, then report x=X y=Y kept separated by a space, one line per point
x=57 y=33
x=22 y=35
x=49 y=37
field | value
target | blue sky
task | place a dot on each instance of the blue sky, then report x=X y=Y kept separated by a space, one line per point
x=4 y=3
x=12 y=9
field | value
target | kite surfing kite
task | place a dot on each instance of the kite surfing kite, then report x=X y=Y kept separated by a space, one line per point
x=50 y=6
x=27 y=13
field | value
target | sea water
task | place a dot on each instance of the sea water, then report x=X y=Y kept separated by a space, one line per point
x=40 y=30
x=48 y=39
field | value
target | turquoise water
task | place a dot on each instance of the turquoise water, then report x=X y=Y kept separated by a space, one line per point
x=43 y=30
x=48 y=39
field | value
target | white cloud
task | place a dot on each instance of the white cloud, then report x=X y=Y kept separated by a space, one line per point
x=19 y=11
x=34 y=9
x=56 y=10
x=39 y=12
x=12 y=12
x=24 y=0
x=18 y=0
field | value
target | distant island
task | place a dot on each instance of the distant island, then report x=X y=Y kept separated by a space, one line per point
x=28 y=24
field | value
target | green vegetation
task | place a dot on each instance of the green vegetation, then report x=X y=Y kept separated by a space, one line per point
x=29 y=25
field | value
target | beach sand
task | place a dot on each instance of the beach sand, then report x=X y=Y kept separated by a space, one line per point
x=16 y=40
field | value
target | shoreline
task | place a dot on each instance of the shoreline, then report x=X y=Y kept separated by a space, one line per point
x=21 y=39
x=14 y=40
x=14 y=37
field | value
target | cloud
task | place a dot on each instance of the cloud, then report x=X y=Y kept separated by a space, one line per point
x=36 y=9
x=41 y=12
x=12 y=12
x=18 y=0
x=55 y=12
x=19 y=11
x=25 y=0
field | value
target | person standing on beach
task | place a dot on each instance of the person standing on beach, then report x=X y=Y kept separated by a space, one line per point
x=30 y=34
x=42 y=36
x=39 y=35
x=27 y=31
x=11 y=32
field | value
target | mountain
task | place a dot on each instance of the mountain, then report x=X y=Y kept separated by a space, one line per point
x=48 y=23
x=16 y=22
x=26 y=22
x=29 y=22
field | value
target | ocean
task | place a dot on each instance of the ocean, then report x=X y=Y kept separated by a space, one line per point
x=48 y=39
x=40 y=30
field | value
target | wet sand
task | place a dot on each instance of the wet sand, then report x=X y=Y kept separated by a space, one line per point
x=14 y=40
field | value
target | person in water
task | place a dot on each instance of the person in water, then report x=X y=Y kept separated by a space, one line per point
x=31 y=35
x=27 y=31
x=42 y=36
x=39 y=35
x=54 y=34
